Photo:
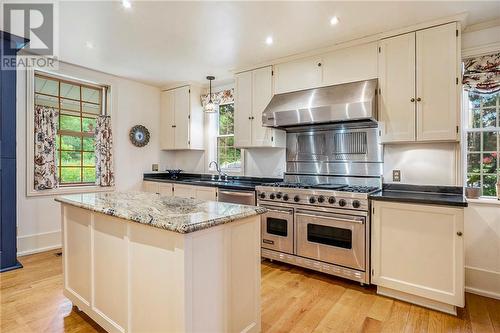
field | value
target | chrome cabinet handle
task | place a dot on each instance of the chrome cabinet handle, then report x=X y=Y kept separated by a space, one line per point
x=333 y=218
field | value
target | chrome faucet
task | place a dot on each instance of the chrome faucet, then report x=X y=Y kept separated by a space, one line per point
x=218 y=171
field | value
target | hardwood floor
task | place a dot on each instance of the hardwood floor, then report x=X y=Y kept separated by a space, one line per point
x=293 y=300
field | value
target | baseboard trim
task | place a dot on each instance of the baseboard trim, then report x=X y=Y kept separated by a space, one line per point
x=482 y=282
x=46 y=241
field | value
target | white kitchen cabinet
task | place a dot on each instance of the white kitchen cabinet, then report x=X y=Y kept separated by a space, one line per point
x=438 y=91
x=164 y=189
x=184 y=191
x=296 y=75
x=253 y=92
x=417 y=253
x=419 y=86
x=397 y=88
x=350 y=64
x=195 y=192
x=181 y=119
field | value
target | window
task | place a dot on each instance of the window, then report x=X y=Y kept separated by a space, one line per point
x=228 y=157
x=482 y=120
x=78 y=105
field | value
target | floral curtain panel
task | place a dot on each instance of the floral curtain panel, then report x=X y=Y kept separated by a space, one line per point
x=103 y=152
x=45 y=167
x=482 y=74
x=221 y=97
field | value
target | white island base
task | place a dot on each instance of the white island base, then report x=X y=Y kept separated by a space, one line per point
x=131 y=277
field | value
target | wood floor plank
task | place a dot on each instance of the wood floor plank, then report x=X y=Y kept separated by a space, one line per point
x=294 y=300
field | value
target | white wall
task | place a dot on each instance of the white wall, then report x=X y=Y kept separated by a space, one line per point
x=133 y=103
x=415 y=160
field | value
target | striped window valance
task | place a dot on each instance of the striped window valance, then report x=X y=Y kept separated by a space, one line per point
x=219 y=98
x=482 y=74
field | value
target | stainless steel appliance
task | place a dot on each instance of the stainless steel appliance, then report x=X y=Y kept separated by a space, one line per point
x=238 y=197
x=343 y=102
x=318 y=217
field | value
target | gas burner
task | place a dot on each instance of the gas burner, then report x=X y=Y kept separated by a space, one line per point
x=358 y=189
x=287 y=185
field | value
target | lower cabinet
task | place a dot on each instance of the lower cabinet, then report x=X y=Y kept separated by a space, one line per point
x=417 y=253
x=181 y=190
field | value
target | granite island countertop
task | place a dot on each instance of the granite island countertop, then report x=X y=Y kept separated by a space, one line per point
x=170 y=213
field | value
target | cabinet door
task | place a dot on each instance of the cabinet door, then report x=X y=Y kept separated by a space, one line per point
x=165 y=189
x=206 y=193
x=243 y=110
x=350 y=64
x=167 y=120
x=437 y=84
x=396 y=64
x=151 y=187
x=181 y=106
x=418 y=249
x=184 y=191
x=298 y=75
x=262 y=92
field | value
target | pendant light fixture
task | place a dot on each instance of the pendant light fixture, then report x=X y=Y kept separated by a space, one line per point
x=210 y=106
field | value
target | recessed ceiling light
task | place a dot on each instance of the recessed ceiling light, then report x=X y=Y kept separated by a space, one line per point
x=126 y=4
x=269 y=40
x=334 y=20
x=89 y=45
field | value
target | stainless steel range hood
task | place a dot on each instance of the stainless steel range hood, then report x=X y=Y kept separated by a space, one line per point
x=343 y=102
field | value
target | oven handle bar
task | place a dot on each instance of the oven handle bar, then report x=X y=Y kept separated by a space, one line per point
x=272 y=209
x=330 y=217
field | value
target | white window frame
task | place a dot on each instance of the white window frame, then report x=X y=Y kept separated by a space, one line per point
x=30 y=143
x=466 y=130
x=212 y=146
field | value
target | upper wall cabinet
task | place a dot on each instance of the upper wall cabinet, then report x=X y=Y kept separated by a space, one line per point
x=181 y=119
x=253 y=92
x=419 y=85
x=340 y=66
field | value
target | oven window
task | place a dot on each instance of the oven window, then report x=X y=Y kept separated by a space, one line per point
x=332 y=236
x=278 y=227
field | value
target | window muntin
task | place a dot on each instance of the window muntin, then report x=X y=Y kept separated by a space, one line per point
x=482 y=112
x=78 y=105
x=228 y=157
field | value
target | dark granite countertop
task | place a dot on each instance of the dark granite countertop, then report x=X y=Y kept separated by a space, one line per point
x=422 y=194
x=234 y=183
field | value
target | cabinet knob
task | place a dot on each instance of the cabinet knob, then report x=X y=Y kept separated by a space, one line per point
x=419 y=99
x=412 y=100
x=173 y=126
x=249 y=118
x=319 y=64
x=459 y=233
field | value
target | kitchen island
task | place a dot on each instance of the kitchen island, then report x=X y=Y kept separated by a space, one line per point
x=141 y=262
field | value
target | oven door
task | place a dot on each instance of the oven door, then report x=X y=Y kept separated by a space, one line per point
x=334 y=238
x=277 y=229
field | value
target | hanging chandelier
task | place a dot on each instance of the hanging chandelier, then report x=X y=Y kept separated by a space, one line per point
x=210 y=106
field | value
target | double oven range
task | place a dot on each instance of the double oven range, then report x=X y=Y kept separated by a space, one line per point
x=319 y=217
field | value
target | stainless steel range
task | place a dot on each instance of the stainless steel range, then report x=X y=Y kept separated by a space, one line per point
x=318 y=217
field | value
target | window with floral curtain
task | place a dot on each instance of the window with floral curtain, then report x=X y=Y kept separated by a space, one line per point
x=72 y=126
x=481 y=84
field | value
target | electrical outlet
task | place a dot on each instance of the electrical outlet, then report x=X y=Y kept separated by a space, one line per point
x=396 y=175
x=154 y=167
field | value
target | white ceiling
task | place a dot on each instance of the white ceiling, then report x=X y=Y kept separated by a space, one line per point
x=162 y=43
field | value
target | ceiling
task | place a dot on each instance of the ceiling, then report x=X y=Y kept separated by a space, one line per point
x=164 y=43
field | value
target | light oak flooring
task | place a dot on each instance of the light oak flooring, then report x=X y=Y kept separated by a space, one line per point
x=293 y=300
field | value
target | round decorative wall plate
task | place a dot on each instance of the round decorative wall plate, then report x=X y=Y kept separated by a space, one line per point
x=139 y=136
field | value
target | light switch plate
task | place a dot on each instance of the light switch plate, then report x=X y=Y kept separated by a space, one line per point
x=396 y=175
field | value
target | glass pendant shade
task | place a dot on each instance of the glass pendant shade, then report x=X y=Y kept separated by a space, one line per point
x=210 y=107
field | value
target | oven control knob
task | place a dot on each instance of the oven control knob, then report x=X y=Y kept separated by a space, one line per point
x=312 y=200
x=271 y=196
x=278 y=195
x=321 y=199
x=342 y=203
x=285 y=197
x=331 y=200
x=262 y=195
x=356 y=204
x=296 y=198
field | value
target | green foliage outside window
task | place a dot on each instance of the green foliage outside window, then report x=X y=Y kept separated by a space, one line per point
x=483 y=141
x=228 y=157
